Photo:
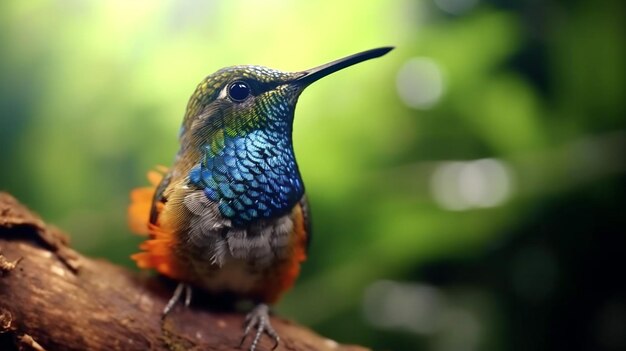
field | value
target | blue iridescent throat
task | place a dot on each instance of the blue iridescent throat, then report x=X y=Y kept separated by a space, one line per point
x=252 y=177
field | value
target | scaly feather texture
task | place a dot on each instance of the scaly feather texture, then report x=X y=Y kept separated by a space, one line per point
x=230 y=215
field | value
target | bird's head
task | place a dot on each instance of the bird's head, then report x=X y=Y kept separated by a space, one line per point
x=237 y=100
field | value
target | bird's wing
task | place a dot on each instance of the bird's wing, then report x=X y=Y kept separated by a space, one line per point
x=147 y=203
x=142 y=202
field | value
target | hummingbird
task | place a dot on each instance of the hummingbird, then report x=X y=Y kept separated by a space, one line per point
x=231 y=215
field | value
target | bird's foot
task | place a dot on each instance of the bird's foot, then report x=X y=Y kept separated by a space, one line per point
x=176 y=297
x=259 y=319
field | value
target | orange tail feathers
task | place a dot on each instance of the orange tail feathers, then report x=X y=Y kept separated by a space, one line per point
x=141 y=202
x=156 y=251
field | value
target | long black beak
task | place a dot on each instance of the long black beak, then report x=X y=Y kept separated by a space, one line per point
x=313 y=74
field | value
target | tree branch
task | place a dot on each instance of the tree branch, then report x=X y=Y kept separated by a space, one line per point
x=52 y=298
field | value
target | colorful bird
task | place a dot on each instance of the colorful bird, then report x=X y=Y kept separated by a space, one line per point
x=231 y=214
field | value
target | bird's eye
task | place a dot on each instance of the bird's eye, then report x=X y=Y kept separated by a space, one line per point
x=239 y=91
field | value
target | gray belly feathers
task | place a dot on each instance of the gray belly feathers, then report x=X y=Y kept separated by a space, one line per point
x=216 y=241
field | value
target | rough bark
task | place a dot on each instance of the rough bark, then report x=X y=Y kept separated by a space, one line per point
x=53 y=298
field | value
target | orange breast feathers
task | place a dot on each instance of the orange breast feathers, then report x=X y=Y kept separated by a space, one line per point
x=157 y=250
x=283 y=276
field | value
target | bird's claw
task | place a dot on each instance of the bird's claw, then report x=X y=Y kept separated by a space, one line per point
x=176 y=297
x=259 y=319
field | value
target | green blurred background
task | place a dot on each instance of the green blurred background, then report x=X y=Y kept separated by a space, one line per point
x=467 y=189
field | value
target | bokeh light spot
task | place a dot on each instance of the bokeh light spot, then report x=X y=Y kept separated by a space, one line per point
x=420 y=83
x=414 y=307
x=458 y=186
